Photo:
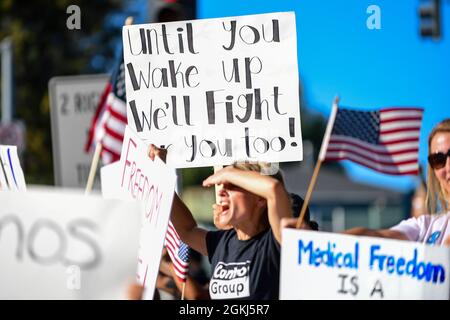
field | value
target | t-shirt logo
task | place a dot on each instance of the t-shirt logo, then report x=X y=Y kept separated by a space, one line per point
x=433 y=237
x=230 y=280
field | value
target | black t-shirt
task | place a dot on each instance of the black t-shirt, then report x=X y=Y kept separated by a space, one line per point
x=247 y=270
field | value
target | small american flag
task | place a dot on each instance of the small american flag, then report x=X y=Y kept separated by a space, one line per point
x=178 y=252
x=110 y=119
x=385 y=140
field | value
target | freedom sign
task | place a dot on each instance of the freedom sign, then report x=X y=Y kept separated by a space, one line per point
x=138 y=178
x=64 y=245
x=215 y=91
x=320 y=265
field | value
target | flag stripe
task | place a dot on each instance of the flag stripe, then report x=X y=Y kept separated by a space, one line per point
x=171 y=242
x=110 y=154
x=383 y=160
x=399 y=124
x=402 y=156
x=119 y=106
x=398 y=130
x=383 y=149
x=113 y=133
x=398 y=114
x=405 y=140
x=173 y=232
x=117 y=115
x=411 y=168
x=116 y=125
x=399 y=135
x=342 y=146
x=111 y=143
x=401 y=109
x=397 y=119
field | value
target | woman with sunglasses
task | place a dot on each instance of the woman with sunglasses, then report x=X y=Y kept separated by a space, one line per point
x=434 y=227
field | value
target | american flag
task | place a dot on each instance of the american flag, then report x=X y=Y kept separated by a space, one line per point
x=178 y=252
x=385 y=140
x=110 y=119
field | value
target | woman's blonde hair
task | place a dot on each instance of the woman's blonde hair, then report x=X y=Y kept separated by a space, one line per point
x=435 y=193
x=264 y=168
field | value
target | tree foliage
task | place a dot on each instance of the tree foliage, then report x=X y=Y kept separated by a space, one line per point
x=43 y=48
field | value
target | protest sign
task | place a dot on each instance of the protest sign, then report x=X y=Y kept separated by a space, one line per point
x=73 y=101
x=64 y=245
x=136 y=177
x=11 y=174
x=214 y=91
x=109 y=184
x=319 y=265
x=3 y=183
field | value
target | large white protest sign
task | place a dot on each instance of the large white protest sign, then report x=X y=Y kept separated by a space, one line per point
x=64 y=245
x=319 y=265
x=11 y=174
x=136 y=177
x=73 y=102
x=214 y=91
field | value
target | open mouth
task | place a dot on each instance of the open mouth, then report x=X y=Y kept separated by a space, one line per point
x=225 y=207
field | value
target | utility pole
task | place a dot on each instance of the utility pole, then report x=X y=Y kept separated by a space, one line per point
x=6 y=91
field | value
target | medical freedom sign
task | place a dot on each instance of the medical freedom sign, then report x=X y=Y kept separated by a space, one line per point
x=319 y=265
x=214 y=91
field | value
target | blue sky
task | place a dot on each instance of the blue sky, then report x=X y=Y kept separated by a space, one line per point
x=338 y=54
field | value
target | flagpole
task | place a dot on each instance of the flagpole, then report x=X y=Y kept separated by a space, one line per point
x=99 y=146
x=323 y=151
x=93 y=169
x=182 y=291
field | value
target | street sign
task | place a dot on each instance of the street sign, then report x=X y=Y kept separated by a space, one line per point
x=73 y=101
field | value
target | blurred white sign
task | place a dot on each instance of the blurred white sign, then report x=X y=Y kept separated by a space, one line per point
x=64 y=245
x=319 y=265
x=73 y=102
x=11 y=174
x=136 y=177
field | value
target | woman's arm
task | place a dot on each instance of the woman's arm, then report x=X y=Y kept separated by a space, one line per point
x=181 y=216
x=382 y=233
x=267 y=187
x=186 y=226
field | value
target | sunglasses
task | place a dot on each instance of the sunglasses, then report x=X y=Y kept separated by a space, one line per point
x=438 y=160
